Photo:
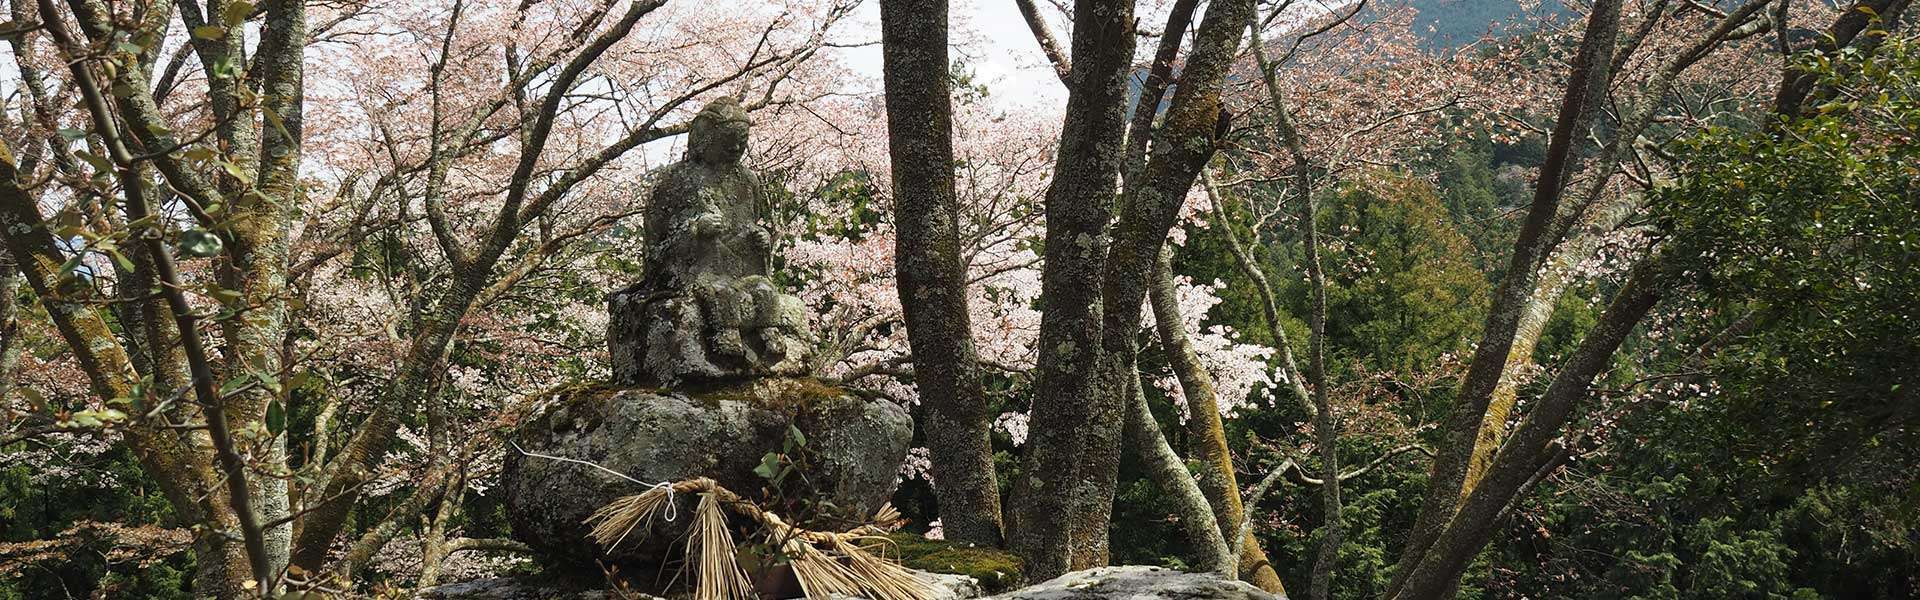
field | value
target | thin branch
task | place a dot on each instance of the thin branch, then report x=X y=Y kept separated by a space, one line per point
x=1044 y=35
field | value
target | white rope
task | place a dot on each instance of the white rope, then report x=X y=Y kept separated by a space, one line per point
x=673 y=510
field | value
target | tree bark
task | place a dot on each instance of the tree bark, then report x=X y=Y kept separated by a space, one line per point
x=932 y=272
x=261 y=224
x=1048 y=46
x=1208 y=436
x=1077 y=211
x=1521 y=458
x=1186 y=140
x=1583 y=224
x=1586 y=87
x=1209 y=548
x=1555 y=277
x=1326 y=424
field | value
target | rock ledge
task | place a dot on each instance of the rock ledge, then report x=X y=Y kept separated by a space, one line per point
x=1139 y=583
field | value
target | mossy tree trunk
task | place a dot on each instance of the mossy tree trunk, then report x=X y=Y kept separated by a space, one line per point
x=1077 y=210
x=1585 y=91
x=932 y=272
x=1081 y=413
x=1206 y=433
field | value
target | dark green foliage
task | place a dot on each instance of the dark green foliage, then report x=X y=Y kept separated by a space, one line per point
x=1483 y=196
x=1780 y=466
x=1401 y=289
x=106 y=488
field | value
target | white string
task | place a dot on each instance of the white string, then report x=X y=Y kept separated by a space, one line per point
x=673 y=510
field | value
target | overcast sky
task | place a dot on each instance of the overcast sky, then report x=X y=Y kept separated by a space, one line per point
x=992 y=39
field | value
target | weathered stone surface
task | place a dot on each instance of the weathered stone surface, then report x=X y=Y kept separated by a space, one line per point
x=513 y=588
x=854 y=447
x=705 y=309
x=947 y=587
x=1139 y=583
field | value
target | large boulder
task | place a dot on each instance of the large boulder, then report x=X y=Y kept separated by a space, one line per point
x=516 y=588
x=945 y=587
x=851 y=455
x=1106 y=583
x=1139 y=583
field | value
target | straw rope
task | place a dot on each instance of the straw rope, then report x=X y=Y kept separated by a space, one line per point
x=826 y=563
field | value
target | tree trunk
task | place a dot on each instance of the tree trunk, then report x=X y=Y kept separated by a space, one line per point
x=1326 y=424
x=1208 y=437
x=1438 y=569
x=1186 y=140
x=1077 y=211
x=1586 y=88
x=1197 y=519
x=1555 y=277
x=261 y=225
x=931 y=271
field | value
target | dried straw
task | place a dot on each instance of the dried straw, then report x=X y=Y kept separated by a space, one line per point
x=826 y=563
x=721 y=577
x=619 y=517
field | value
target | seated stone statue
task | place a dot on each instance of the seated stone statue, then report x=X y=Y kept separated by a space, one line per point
x=705 y=309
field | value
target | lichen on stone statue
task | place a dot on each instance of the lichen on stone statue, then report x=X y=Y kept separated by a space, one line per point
x=705 y=309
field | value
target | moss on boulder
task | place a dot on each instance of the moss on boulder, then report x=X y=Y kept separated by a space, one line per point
x=854 y=445
x=995 y=569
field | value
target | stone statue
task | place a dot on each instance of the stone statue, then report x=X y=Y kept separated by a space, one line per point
x=705 y=310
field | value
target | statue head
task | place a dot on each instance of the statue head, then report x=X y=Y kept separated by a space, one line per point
x=718 y=135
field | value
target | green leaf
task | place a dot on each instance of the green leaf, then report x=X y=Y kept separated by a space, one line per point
x=237 y=12
x=100 y=164
x=67 y=268
x=225 y=296
x=268 y=379
x=210 y=32
x=769 y=467
x=200 y=243
x=70 y=219
x=797 y=437
x=299 y=380
x=35 y=399
x=233 y=385
x=126 y=264
x=276 y=417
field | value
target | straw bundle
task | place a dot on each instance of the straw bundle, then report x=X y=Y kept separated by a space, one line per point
x=825 y=563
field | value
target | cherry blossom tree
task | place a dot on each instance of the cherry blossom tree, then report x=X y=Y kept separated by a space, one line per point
x=367 y=220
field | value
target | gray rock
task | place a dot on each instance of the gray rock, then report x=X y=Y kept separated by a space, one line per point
x=854 y=448
x=513 y=588
x=706 y=309
x=948 y=587
x=1139 y=583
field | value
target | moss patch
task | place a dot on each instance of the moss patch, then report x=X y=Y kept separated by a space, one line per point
x=996 y=570
x=788 y=395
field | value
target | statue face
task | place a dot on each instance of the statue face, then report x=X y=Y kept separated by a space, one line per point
x=719 y=133
x=724 y=145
